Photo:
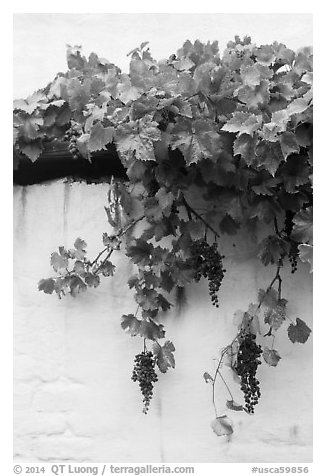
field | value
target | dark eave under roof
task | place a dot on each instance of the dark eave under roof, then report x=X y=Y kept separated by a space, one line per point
x=57 y=162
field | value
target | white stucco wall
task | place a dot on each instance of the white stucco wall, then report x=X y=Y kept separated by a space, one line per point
x=73 y=396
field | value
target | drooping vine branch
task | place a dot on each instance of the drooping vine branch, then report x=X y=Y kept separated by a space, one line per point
x=191 y=211
x=234 y=152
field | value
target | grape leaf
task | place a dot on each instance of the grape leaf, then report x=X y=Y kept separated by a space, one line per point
x=243 y=123
x=269 y=299
x=298 y=106
x=74 y=58
x=264 y=208
x=135 y=140
x=275 y=316
x=165 y=200
x=92 y=280
x=164 y=355
x=76 y=285
x=283 y=54
x=33 y=150
x=269 y=155
x=299 y=332
x=264 y=184
x=46 y=285
x=222 y=426
x=130 y=323
x=79 y=251
x=28 y=127
x=58 y=262
x=147 y=299
x=140 y=251
x=150 y=330
x=244 y=145
x=229 y=225
x=249 y=323
x=308 y=78
x=196 y=139
x=78 y=94
x=232 y=405
x=303 y=226
x=289 y=144
x=306 y=254
x=62 y=286
x=294 y=172
x=163 y=303
x=230 y=353
x=271 y=356
x=82 y=146
x=167 y=283
x=251 y=75
x=99 y=137
x=111 y=241
x=265 y=54
x=272 y=248
x=208 y=378
x=195 y=228
x=183 y=64
x=107 y=268
x=152 y=209
x=31 y=103
x=79 y=268
x=255 y=97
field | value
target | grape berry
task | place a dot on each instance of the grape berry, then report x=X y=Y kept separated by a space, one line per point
x=145 y=374
x=294 y=252
x=246 y=367
x=72 y=135
x=207 y=263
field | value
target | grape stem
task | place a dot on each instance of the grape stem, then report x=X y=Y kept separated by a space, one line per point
x=278 y=278
x=191 y=211
x=120 y=233
x=217 y=372
x=226 y=385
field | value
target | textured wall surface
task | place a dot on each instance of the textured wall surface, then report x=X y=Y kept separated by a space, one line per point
x=73 y=396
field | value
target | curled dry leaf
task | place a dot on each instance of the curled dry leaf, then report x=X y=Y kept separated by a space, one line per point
x=208 y=378
x=232 y=405
x=222 y=426
x=271 y=357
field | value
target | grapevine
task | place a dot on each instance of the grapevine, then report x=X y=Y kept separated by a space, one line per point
x=211 y=142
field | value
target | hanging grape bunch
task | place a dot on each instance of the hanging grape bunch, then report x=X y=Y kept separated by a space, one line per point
x=144 y=373
x=246 y=367
x=293 y=256
x=72 y=135
x=294 y=251
x=207 y=263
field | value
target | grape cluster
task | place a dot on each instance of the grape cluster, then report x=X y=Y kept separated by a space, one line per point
x=145 y=374
x=207 y=262
x=288 y=223
x=72 y=135
x=294 y=251
x=246 y=367
x=293 y=256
